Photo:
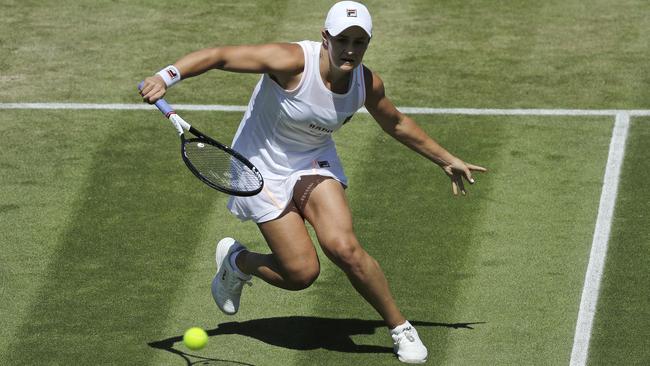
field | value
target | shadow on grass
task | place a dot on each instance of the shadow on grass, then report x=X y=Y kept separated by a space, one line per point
x=301 y=333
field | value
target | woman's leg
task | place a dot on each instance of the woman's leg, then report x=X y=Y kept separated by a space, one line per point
x=328 y=212
x=294 y=264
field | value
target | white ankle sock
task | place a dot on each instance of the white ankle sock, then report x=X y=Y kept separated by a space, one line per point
x=233 y=264
x=400 y=327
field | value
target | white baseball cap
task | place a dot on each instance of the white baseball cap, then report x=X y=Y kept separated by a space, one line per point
x=346 y=14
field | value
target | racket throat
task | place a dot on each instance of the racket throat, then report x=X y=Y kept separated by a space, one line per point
x=179 y=123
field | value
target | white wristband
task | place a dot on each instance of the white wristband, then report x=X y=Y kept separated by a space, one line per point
x=170 y=75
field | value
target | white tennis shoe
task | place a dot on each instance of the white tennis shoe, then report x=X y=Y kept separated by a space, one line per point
x=407 y=344
x=227 y=283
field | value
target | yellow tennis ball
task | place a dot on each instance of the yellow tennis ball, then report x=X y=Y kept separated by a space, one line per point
x=195 y=338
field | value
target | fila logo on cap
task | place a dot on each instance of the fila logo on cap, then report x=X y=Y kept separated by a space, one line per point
x=352 y=13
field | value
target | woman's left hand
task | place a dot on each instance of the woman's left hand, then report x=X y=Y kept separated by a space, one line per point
x=456 y=170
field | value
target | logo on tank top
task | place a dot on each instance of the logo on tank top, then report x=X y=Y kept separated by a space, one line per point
x=316 y=127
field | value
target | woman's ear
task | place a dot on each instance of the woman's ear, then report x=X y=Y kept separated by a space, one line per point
x=323 y=34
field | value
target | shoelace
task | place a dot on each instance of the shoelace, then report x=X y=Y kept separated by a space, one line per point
x=406 y=333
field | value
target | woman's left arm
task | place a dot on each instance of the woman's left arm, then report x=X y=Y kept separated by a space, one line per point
x=407 y=131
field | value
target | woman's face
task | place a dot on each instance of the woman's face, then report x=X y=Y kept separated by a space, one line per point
x=346 y=49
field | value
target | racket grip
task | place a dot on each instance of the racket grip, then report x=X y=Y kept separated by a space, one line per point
x=161 y=103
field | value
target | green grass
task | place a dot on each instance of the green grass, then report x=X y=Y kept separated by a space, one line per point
x=126 y=272
x=473 y=53
x=107 y=241
x=508 y=225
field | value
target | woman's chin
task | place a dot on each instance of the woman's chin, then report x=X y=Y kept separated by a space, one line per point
x=346 y=66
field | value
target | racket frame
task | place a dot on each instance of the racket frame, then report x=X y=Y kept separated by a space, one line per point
x=202 y=138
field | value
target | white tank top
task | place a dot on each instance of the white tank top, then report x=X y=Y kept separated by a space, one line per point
x=284 y=131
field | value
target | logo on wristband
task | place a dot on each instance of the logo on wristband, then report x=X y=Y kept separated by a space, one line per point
x=172 y=74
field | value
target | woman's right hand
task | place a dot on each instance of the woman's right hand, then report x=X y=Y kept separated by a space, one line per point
x=154 y=88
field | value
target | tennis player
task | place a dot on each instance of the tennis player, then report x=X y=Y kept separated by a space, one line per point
x=307 y=91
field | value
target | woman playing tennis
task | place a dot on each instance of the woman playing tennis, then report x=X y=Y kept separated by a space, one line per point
x=307 y=91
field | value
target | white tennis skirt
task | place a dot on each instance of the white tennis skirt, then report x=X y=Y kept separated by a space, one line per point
x=276 y=194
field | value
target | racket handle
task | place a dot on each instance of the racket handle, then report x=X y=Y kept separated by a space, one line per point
x=161 y=103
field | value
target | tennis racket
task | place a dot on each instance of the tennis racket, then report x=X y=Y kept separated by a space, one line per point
x=214 y=163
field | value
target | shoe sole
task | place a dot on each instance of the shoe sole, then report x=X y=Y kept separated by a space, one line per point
x=221 y=252
x=404 y=360
x=411 y=361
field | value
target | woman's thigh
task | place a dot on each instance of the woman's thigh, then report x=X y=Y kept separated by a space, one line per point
x=327 y=210
x=289 y=240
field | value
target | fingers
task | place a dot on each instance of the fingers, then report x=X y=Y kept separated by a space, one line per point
x=153 y=89
x=457 y=185
x=461 y=185
x=468 y=171
x=468 y=175
x=458 y=172
x=476 y=168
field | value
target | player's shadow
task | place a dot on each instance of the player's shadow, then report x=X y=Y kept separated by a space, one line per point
x=306 y=333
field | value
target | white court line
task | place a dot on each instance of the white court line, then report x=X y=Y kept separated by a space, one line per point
x=119 y=107
x=590 y=291
x=598 y=253
x=409 y=110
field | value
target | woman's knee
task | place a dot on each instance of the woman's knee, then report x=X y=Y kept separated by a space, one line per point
x=345 y=251
x=301 y=277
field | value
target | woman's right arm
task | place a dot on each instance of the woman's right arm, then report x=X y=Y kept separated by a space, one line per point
x=281 y=60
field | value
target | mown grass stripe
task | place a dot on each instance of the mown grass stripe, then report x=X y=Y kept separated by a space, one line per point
x=427 y=290
x=117 y=262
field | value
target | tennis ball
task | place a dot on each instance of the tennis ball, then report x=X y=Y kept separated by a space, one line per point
x=195 y=338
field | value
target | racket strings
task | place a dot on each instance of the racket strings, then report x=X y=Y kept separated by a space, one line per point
x=221 y=168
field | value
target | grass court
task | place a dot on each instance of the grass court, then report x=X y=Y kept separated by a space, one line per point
x=107 y=241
